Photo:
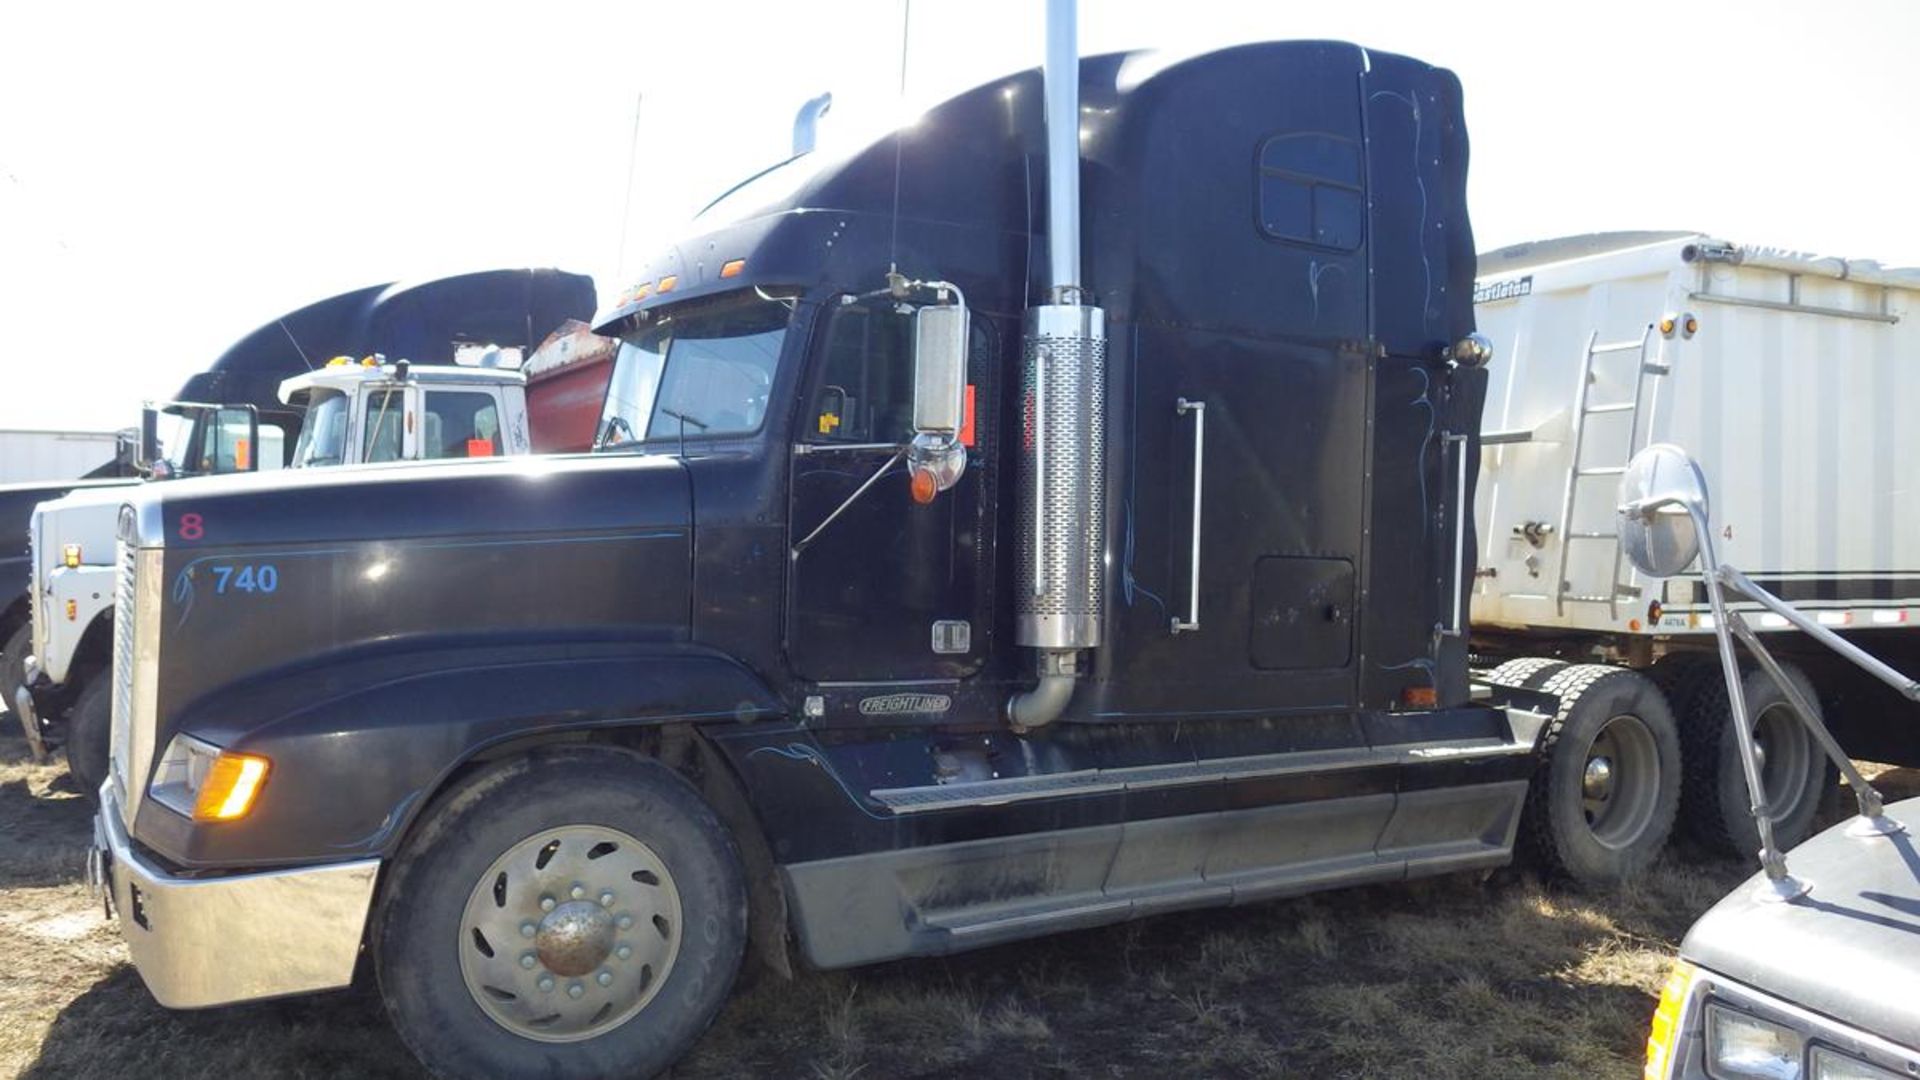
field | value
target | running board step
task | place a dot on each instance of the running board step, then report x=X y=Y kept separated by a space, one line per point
x=997 y=792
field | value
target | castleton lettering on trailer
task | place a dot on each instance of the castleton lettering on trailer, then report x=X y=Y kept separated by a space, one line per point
x=1487 y=291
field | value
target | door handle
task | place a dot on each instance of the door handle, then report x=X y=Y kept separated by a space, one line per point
x=1182 y=407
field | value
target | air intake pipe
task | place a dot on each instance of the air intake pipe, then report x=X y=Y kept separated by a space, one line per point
x=1061 y=577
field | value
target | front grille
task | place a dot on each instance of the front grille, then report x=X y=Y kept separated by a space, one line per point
x=125 y=575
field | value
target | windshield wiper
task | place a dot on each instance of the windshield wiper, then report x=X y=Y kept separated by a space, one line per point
x=684 y=421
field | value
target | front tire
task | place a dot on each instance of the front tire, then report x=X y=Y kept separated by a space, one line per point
x=13 y=664
x=1604 y=799
x=633 y=894
x=89 y=734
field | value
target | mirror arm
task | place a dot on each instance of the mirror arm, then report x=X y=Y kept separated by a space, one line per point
x=1869 y=663
x=842 y=508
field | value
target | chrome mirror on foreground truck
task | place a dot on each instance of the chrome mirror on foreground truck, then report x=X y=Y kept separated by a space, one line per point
x=938 y=456
x=1664 y=527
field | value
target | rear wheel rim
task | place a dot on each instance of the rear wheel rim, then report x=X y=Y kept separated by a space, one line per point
x=570 y=933
x=1619 y=783
x=1784 y=748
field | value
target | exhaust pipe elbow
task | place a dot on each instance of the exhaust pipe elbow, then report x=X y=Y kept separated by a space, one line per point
x=1043 y=704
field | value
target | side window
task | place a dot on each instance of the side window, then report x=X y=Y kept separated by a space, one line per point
x=386 y=414
x=1310 y=190
x=864 y=390
x=458 y=424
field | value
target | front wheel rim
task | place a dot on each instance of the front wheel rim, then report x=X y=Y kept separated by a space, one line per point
x=1619 y=782
x=570 y=933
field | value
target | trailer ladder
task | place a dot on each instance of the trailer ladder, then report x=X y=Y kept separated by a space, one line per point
x=1564 y=594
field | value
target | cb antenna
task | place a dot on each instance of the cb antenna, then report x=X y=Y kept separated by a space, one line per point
x=899 y=133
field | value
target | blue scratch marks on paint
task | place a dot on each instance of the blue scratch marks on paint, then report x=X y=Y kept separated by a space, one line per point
x=811 y=755
x=1420 y=182
x=1315 y=268
x=1422 y=664
x=1128 y=583
x=1433 y=421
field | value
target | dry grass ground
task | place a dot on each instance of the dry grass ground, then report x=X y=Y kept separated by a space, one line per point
x=1449 y=978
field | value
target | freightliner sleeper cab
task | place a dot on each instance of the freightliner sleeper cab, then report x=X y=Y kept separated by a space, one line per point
x=932 y=587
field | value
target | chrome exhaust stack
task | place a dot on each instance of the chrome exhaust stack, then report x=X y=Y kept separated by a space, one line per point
x=1061 y=576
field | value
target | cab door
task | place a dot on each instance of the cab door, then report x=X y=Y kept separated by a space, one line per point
x=880 y=588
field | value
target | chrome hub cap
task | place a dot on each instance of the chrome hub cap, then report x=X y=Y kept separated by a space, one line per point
x=1598 y=781
x=1620 y=781
x=570 y=933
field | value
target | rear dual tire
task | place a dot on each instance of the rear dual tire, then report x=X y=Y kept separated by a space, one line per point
x=1795 y=772
x=1604 y=798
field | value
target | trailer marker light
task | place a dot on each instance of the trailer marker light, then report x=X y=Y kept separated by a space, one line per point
x=1691 y=326
x=1633 y=626
x=667 y=283
x=1666 y=1021
x=230 y=787
x=1667 y=323
x=1889 y=618
x=732 y=268
x=1654 y=611
x=1420 y=697
x=70 y=555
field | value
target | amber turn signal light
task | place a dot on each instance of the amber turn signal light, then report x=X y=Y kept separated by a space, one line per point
x=233 y=781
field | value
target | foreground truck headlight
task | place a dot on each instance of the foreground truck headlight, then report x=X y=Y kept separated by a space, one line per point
x=199 y=780
x=1740 y=1047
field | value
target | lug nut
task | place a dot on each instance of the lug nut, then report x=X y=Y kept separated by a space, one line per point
x=606 y=898
x=624 y=952
x=527 y=929
x=528 y=961
x=546 y=903
x=579 y=892
x=605 y=978
x=576 y=990
x=625 y=922
x=546 y=982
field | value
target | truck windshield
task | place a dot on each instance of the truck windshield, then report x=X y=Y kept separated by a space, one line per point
x=323 y=438
x=703 y=370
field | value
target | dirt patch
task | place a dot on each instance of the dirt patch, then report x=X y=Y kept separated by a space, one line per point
x=1455 y=977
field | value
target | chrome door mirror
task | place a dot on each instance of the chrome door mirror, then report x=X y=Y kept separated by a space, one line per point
x=937 y=458
x=939 y=369
x=1661 y=494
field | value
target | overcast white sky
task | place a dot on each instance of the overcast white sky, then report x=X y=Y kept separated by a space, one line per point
x=173 y=175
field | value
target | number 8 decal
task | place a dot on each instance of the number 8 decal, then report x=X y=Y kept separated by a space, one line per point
x=191 y=527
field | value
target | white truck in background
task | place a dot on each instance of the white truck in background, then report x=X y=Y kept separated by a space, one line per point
x=1793 y=379
x=33 y=456
x=355 y=413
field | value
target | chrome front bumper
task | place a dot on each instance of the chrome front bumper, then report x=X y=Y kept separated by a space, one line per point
x=199 y=942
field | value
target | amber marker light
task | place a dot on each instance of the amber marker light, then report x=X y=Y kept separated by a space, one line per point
x=1665 y=1029
x=923 y=486
x=1420 y=697
x=71 y=556
x=732 y=268
x=232 y=783
x=667 y=283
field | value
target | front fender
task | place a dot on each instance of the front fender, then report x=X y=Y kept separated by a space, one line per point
x=358 y=748
x=90 y=590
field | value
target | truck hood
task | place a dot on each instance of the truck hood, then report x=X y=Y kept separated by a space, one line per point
x=418 y=500
x=1849 y=949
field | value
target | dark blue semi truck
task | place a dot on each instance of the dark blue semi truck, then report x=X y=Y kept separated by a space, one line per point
x=939 y=581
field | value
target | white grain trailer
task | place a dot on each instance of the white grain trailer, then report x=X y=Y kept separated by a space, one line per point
x=1795 y=380
x=32 y=456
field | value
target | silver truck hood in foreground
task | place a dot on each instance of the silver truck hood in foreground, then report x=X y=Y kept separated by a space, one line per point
x=1849 y=949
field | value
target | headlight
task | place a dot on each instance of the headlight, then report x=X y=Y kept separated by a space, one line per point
x=1743 y=1047
x=199 y=780
x=1832 y=1065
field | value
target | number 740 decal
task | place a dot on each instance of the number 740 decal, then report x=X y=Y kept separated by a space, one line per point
x=247 y=578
